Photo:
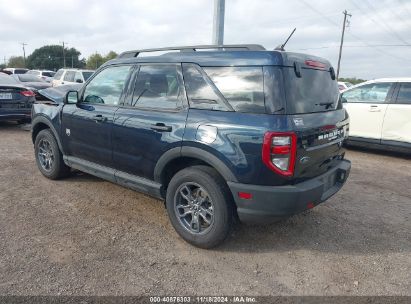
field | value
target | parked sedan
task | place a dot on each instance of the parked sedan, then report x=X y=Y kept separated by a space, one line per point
x=43 y=74
x=380 y=113
x=16 y=99
x=32 y=82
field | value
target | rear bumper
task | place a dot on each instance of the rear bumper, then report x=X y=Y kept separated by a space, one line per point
x=268 y=203
x=15 y=114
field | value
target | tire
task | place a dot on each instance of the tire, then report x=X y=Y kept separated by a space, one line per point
x=46 y=148
x=212 y=203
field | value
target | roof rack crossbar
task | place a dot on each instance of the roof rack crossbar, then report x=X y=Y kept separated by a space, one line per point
x=193 y=48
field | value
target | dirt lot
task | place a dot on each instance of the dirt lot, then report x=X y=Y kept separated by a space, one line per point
x=85 y=236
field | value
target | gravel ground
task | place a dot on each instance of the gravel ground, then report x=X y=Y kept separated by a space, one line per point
x=86 y=236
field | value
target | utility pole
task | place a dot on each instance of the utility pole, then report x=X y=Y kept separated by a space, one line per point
x=342 y=41
x=218 y=23
x=64 y=54
x=23 y=44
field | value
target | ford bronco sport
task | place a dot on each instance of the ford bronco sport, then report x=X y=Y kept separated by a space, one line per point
x=218 y=132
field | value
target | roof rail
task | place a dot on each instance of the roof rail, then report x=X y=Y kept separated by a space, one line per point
x=193 y=48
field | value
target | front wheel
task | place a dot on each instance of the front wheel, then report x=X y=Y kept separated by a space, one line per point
x=49 y=159
x=200 y=207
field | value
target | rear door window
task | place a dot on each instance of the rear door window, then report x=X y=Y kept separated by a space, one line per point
x=404 y=94
x=242 y=87
x=158 y=87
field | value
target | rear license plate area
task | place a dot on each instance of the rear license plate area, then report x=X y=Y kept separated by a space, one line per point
x=6 y=96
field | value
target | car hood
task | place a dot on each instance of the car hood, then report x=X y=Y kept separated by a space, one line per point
x=57 y=94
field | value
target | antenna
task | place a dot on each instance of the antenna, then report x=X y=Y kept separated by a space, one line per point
x=281 y=46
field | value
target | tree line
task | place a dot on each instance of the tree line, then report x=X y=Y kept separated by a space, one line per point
x=50 y=57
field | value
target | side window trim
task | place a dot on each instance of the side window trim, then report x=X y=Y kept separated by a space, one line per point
x=392 y=93
x=81 y=92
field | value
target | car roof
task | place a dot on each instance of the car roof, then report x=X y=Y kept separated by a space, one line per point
x=211 y=58
x=75 y=70
x=392 y=79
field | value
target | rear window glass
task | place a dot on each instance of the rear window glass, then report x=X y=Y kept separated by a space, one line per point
x=314 y=91
x=20 y=71
x=86 y=75
x=242 y=87
x=48 y=74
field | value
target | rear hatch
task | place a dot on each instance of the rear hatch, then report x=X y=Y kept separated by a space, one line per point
x=316 y=113
x=11 y=97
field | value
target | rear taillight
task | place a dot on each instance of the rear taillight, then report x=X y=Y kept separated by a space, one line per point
x=279 y=152
x=27 y=93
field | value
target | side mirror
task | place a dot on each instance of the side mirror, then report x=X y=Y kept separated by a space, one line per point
x=343 y=99
x=79 y=81
x=71 y=97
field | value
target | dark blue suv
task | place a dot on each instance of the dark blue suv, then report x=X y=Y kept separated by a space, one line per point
x=219 y=132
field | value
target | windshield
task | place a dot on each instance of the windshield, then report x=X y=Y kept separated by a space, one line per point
x=87 y=75
x=314 y=91
x=48 y=74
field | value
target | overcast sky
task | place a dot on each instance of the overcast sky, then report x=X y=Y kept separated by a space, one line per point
x=100 y=26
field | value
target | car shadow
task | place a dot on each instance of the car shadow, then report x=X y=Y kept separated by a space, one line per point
x=326 y=230
x=8 y=125
x=379 y=151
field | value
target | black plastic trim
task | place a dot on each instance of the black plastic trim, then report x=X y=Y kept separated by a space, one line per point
x=119 y=177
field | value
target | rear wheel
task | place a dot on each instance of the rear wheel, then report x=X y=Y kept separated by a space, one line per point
x=200 y=207
x=49 y=158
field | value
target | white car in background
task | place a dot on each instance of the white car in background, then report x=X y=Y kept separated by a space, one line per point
x=380 y=113
x=342 y=86
x=71 y=76
x=42 y=74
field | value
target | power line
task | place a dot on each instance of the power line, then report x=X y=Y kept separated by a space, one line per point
x=351 y=34
x=382 y=22
x=354 y=46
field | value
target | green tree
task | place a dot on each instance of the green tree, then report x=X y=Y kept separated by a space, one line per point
x=110 y=55
x=16 y=62
x=352 y=80
x=95 y=60
x=51 y=57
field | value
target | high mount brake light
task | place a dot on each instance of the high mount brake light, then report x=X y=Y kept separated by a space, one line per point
x=27 y=93
x=279 y=152
x=315 y=64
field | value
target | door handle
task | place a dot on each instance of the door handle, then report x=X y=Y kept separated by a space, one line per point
x=374 y=109
x=99 y=118
x=160 y=127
